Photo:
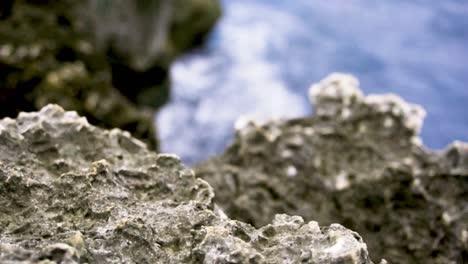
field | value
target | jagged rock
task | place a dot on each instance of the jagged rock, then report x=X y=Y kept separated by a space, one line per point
x=358 y=161
x=74 y=193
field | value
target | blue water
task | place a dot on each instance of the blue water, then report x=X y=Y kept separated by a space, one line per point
x=264 y=55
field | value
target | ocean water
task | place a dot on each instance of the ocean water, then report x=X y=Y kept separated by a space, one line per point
x=264 y=55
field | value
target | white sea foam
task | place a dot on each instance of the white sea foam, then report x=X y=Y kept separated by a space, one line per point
x=212 y=91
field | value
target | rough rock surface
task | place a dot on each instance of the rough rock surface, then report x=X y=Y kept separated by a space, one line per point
x=73 y=193
x=50 y=52
x=358 y=161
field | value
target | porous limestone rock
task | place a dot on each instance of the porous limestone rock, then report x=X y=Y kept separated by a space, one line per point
x=74 y=193
x=357 y=161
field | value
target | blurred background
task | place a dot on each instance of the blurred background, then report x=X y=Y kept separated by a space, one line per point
x=179 y=73
x=264 y=54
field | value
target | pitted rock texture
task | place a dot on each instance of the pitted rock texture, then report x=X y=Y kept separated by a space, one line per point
x=73 y=193
x=357 y=161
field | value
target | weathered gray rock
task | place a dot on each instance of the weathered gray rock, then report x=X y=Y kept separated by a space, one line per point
x=73 y=193
x=358 y=161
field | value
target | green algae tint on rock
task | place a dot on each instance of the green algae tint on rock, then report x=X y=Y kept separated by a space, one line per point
x=74 y=193
x=357 y=161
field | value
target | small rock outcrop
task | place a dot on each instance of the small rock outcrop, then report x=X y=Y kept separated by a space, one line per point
x=74 y=193
x=357 y=161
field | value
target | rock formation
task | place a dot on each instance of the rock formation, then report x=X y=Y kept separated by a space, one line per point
x=108 y=60
x=143 y=37
x=74 y=193
x=357 y=161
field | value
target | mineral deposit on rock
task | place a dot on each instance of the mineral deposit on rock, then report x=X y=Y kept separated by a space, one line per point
x=357 y=161
x=74 y=193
